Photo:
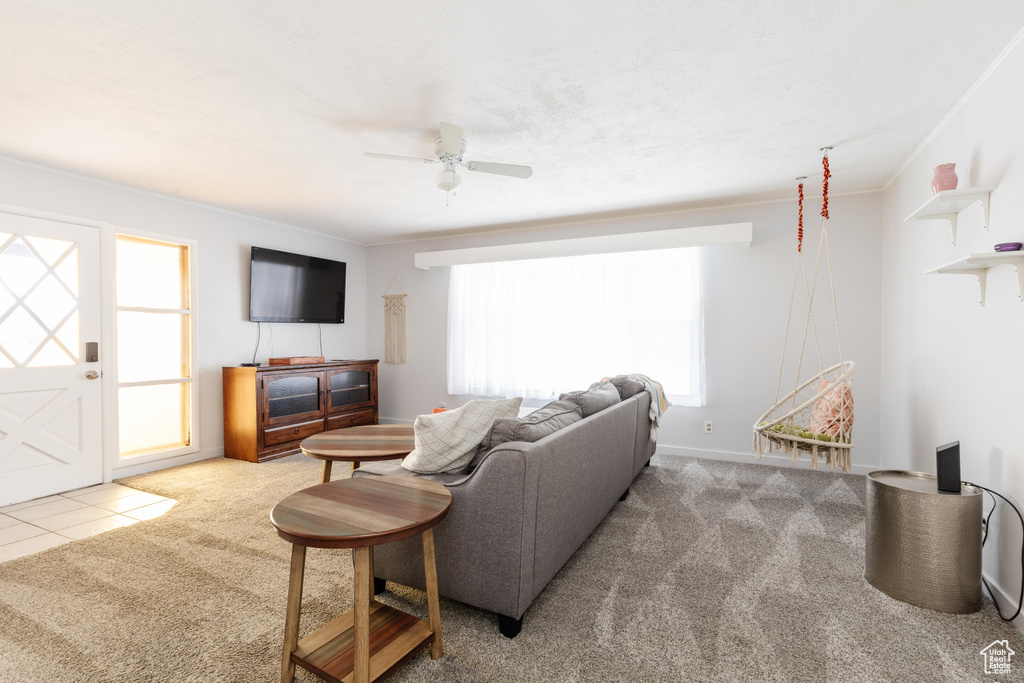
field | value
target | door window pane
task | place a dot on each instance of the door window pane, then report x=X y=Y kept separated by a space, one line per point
x=67 y=271
x=153 y=418
x=70 y=335
x=51 y=301
x=20 y=268
x=21 y=335
x=6 y=300
x=51 y=354
x=50 y=249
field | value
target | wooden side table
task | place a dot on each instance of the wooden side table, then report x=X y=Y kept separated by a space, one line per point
x=365 y=443
x=371 y=640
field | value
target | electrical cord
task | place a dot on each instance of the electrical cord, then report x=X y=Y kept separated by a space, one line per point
x=259 y=326
x=320 y=334
x=988 y=517
x=1020 y=599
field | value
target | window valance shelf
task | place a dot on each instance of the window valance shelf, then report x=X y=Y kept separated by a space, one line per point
x=730 y=233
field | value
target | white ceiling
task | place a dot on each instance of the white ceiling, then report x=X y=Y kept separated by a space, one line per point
x=265 y=107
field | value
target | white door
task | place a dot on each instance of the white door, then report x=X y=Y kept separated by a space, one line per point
x=50 y=412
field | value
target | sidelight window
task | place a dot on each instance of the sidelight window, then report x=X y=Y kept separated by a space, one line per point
x=154 y=350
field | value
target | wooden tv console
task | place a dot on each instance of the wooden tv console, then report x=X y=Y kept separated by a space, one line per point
x=268 y=410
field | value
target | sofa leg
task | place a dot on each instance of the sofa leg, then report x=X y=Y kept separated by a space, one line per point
x=648 y=463
x=508 y=626
x=625 y=494
x=378 y=585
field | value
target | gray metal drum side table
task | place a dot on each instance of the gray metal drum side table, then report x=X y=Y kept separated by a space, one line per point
x=923 y=546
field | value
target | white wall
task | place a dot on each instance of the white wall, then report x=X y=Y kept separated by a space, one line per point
x=952 y=370
x=224 y=335
x=747 y=292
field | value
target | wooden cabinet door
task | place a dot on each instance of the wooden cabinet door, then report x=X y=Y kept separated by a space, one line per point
x=292 y=397
x=351 y=388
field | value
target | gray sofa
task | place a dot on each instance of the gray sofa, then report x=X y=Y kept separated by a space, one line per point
x=523 y=510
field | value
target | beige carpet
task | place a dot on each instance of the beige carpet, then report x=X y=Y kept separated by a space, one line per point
x=709 y=571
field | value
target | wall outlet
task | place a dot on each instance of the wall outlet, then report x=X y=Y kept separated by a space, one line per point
x=708 y=427
x=444 y=404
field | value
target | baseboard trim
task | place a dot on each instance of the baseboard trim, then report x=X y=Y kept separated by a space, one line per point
x=154 y=465
x=769 y=459
x=394 y=421
x=1006 y=604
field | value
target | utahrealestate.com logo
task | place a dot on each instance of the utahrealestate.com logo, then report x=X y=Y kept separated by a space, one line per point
x=997 y=657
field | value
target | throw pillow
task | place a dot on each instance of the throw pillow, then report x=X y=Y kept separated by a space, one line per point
x=536 y=425
x=447 y=441
x=833 y=412
x=627 y=386
x=599 y=396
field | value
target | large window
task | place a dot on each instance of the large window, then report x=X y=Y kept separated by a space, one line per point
x=154 y=359
x=541 y=327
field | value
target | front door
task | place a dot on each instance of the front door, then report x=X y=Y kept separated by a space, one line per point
x=50 y=398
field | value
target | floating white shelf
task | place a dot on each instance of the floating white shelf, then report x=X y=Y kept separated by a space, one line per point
x=979 y=264
x=949 y=203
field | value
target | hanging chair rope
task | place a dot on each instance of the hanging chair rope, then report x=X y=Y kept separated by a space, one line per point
x=801 y=266
x=826 y=174
x=785 y=343
x=809 y=321
x=800 y=220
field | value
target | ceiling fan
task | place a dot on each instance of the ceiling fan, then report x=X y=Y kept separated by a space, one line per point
x=450 y=148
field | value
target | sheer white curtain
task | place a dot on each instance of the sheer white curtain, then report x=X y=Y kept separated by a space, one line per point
x=541 y=327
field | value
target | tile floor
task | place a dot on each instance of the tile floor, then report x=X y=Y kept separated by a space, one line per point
x=44 y=523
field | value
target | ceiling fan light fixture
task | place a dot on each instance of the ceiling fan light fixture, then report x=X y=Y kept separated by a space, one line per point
x=450 y=149
x=447 y=180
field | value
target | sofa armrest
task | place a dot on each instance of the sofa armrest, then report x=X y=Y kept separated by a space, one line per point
x=644 y=446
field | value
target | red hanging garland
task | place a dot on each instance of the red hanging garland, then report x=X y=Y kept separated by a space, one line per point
x=800 y=229
x=824 y=186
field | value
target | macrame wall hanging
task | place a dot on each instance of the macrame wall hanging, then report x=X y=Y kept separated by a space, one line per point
x=394 y=324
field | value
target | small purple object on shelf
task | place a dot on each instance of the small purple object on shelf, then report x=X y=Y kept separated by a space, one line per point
x=1009 y=246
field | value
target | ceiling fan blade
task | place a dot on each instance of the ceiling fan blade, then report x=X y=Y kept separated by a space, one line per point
x=374 y=155
x=513 y=170
x=451 y=139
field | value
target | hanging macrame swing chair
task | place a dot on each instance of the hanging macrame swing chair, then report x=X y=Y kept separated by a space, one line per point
x=816 y=418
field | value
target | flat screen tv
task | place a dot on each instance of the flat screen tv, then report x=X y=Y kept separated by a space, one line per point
x=292 y=288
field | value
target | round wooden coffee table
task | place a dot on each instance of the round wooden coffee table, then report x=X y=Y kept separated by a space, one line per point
x=370 y=640
x=366 y=443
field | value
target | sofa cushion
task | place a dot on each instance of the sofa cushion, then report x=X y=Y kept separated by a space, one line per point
x=536 y=425
x=627 y=385
x=599 y=396
x=446 y=442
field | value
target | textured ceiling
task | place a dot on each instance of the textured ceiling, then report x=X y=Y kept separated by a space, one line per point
x=265 y=107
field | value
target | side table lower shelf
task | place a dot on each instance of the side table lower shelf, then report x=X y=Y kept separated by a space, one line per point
x=394 y=637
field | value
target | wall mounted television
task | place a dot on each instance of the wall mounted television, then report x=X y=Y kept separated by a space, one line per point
x=292 y=288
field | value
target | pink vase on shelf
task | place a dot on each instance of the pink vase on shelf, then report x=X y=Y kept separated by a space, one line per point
x=944 y=178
